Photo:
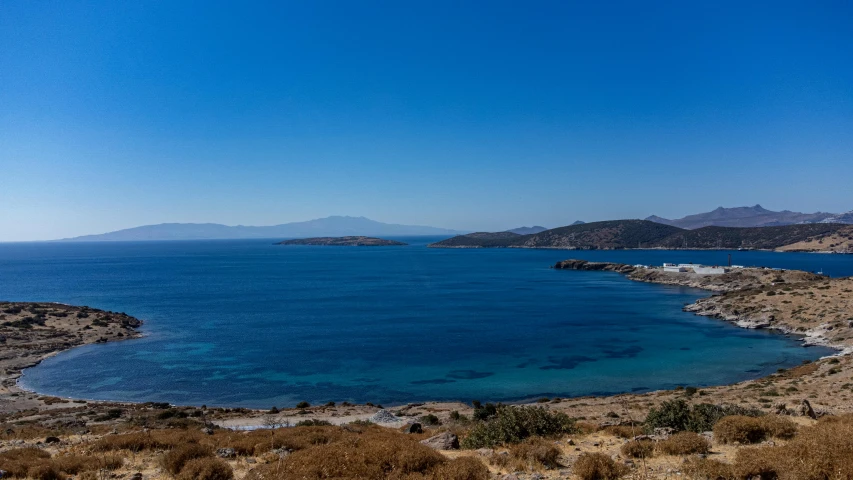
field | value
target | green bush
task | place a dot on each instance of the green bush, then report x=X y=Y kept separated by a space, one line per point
x=429 y=419
x=303 y=405
x=680 y=416
x=513 y=424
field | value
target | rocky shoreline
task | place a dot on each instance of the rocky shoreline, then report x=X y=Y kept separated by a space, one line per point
x=737 y=301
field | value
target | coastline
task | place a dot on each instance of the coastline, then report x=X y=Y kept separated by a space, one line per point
x=17 y=397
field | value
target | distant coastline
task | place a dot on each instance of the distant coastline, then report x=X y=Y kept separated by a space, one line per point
x=356 y=241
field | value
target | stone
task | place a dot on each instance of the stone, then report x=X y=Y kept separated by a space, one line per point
x=442 y=441
x=664 y=432
x=251 y=460
x=226 y=453
x=510 y=476
x=485 y=452
x=207 y=431
x=805 y=409
x=51 y=440
x=413 y=428
x=570 y=443
x=136 y=476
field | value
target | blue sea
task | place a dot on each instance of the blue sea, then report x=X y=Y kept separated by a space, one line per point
x=249 y=323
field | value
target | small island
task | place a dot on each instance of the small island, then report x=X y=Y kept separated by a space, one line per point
x=344 y=242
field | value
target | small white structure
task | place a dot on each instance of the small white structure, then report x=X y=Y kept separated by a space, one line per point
x=709 y=270
x=691 y=267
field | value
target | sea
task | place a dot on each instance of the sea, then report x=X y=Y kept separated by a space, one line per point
x=247 y=323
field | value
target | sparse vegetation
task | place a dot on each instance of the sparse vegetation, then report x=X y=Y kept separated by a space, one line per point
x=513 y=424
x=598 y=466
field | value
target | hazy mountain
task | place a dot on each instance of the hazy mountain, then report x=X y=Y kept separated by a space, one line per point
x=846 y=217
x=335 y=226
x=528 y=230
x=577 y=222
x=756 y=216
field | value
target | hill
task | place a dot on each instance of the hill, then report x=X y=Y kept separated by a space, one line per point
x=625 y=234
x=761 y=238
x=527 y=230
x=614 y=234
x=335 y=226
x=755 y=216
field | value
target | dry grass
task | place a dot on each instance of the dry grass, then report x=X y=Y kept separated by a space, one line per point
x=820 y=452
x=684 y=443
x=638 y=449
x=36 y=463
x=206 y=469
x=623 y=431
x=536 y=452
x=597 y=466
x=175 y=460
x=373 y=453
x=707 y=469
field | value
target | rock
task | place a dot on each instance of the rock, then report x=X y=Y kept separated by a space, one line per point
x=207 y=431
x=510 y=476
x=384 y=416
x=664 y=432
x=413 y=428
x=51 y=440
x=136 y=476
x=570 y=443
x=281 y=452
x=485 y=452
x=251 y=460
x=442 y=441
x=537 y=476
x=226 y=453
x=805 y=410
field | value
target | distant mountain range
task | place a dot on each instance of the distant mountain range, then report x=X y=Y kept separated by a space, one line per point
x=335 y=226
x=756 y=216
x=625 y=234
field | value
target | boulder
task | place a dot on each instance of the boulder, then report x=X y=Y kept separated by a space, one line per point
x=51 y=440
x=226 y=453
x=805 y=409
x=413 y=428
x=442 y=441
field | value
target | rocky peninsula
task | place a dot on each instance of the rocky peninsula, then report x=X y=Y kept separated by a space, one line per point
x=344 y=242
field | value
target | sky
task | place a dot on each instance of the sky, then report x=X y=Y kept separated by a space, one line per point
x=480 y=115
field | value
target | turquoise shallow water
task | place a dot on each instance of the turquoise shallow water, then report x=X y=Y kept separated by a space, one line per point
x=247 y=323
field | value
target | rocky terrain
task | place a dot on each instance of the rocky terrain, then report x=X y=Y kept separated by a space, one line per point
x=643 y=234
x=343 y=242
x=840 y=241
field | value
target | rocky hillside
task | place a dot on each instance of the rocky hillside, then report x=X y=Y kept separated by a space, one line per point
x=626 y=234
x=840 y=241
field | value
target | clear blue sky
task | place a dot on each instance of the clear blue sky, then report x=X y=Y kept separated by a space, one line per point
x=468 y=115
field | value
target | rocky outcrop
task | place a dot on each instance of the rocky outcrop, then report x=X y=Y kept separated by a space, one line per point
x=594 y=266
x=442 y=441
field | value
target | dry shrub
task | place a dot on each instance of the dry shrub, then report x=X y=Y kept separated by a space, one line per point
x=639 y=449
x=45 y=472
x=778 y=427
x=740 y=429
x=819 y=452
x=206 y=469
x=707 y=469
x=597 y=466
x=374 y=453
x=37 y=463
x=174 y=460
x=259 y=441
x=684 y=443
x=463 y=468
x=623 y=431
x=536 y=452
x=17 y=462
x=153 y=440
